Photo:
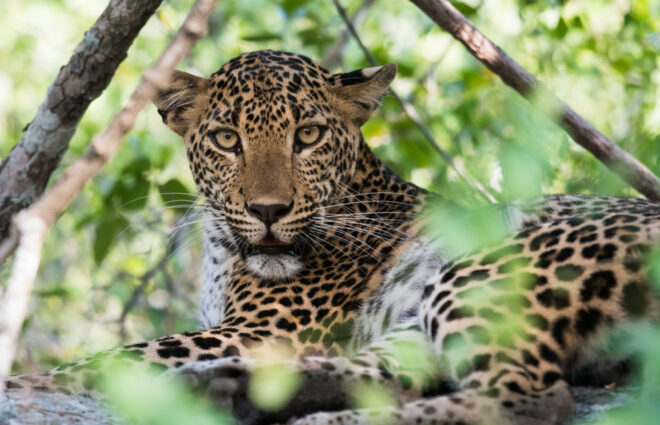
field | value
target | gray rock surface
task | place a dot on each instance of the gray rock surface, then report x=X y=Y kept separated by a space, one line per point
x=60 y=409
x=591 y=402
x=42 y=408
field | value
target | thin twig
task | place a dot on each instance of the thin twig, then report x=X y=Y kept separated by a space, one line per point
x=146 y=277
x=494 y=58
x=34 y=222
x=414 y=117
x=139 y=290
x=14 y=304
x=8 y=246
x=335 y=53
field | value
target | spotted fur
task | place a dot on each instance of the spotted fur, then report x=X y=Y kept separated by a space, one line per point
x=316 y=247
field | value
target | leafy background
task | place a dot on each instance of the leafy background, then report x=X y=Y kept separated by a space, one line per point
x=101 y=282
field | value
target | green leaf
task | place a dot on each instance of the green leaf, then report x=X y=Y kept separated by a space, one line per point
x=175 y=195
x=106 y=233
x=314 y=36
x=128 y=193
x=372 y=396
x=135 y=197
x=560 y=30
x=464 y=8
x=263 y=36
x=55 y=291
x=465 y=229
x=145 y=400
x=137 y=166
x=291 y=6
x=272 y=386
x=522 y=172
x=156 y=318
x=131 y=190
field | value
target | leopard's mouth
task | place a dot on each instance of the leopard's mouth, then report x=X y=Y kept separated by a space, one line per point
x=270 y=245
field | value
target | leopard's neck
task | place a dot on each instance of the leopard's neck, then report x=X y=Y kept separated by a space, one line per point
x=385 y=190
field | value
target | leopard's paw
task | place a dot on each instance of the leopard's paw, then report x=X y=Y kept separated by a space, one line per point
x=222 y=380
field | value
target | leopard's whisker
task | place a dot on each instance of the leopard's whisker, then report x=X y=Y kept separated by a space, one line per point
x=349 y=235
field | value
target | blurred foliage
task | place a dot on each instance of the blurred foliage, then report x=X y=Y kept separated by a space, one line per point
x=100 y=283
x=274 y=382
x=143 y=399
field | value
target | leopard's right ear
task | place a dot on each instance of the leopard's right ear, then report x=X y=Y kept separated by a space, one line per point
x=178 y=102
x=362 y=90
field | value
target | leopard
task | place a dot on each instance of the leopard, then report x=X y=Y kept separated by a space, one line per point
x=299 y=229
x=314 y=246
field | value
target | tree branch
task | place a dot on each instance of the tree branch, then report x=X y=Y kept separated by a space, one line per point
x=26 y=170
x=494 y=58
x=34 y=222
x=411 y=112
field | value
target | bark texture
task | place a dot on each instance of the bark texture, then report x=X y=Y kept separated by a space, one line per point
x=26 y=170
x=514 y=75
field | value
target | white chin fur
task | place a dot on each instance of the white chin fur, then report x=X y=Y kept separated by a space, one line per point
x=273 y=266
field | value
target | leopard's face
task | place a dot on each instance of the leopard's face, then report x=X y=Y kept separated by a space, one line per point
x=271 y=138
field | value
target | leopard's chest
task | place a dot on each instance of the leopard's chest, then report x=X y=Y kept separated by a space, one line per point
x=329 y=304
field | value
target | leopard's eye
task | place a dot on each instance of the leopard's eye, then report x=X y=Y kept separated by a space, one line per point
x=308 y=135
x=224 y=139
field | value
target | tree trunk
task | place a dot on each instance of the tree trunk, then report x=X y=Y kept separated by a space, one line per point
x=26 y=170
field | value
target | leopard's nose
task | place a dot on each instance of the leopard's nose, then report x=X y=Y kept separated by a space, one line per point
x=269 y=213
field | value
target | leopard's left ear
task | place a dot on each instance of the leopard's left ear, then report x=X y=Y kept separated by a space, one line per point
x=176 y=103
x=362 y=89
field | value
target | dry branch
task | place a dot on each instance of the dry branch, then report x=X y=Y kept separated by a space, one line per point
x=26 y=170
x=33 y=223
x=411 y=112
x=616 y=159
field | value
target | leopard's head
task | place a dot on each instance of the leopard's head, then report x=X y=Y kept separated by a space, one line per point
x=271 y=137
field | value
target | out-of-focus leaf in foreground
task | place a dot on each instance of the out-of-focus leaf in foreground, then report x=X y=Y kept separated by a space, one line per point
x=144 y=399
x=274 y=382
